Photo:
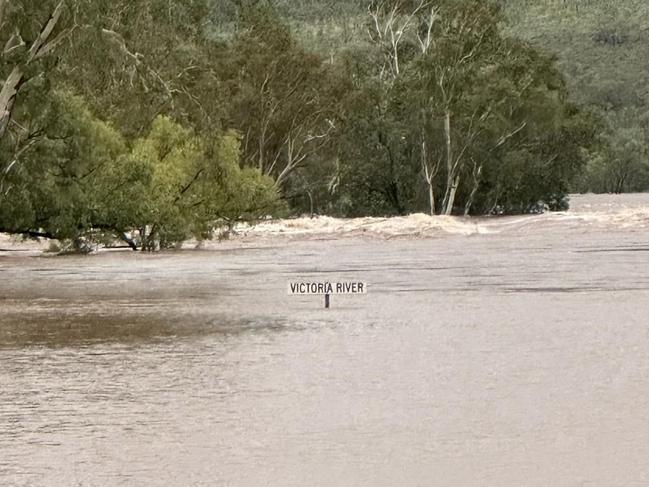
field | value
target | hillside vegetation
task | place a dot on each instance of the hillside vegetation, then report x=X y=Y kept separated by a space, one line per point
x=601 y=48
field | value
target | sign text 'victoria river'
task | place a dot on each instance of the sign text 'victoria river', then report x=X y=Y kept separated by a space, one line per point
x=306 y=287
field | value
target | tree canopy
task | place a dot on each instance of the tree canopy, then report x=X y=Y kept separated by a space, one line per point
x=152 y=121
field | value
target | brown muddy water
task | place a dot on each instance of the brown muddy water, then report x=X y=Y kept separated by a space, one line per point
x=514 y=356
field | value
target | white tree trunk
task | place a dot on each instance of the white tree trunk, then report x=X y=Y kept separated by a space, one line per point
x=431 y=198
x=429 y=175
x=41 y=46
x=449 y=195
x=477 y=172
x=8 y=97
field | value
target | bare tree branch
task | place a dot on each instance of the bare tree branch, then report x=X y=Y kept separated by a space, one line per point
x=138 y=61
x=46 y=32
x=390 y=27
x=8 y=96
x=426 y=41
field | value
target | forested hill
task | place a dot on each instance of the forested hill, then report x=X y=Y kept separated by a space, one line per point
x=602 y=48
x=600 y=45
x=156 y=120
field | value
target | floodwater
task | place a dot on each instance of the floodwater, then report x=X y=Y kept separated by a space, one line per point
x=518 y=355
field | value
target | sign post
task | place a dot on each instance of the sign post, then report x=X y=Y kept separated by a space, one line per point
x=302 y=288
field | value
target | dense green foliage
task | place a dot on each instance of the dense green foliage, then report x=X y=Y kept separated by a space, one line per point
x=600 y=47
x=154 y=120
x=83 y=179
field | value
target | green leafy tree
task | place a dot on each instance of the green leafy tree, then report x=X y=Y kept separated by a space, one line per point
x=59 y=189
x=82 y=183
x=194 y=186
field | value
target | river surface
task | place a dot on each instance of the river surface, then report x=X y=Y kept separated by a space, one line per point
x=511 y=357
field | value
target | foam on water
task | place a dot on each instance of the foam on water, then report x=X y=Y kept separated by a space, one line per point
x=416 y=225
x=597 y=212
x=600 y=211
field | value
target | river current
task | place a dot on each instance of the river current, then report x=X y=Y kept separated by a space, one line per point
x=514 y=355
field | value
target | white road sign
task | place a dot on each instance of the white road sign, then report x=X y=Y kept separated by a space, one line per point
x=315 y=287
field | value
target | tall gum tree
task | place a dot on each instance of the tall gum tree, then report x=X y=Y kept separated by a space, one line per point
x=31 y=34
x=285 y=100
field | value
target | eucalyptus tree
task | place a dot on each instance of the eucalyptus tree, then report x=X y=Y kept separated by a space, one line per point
x=150 y=54
x=29 y=33
x=285 y=98
x=32 y=36
x=445 y=93
x=194 y=185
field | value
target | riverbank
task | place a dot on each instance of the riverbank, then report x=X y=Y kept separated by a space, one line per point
x=587 y=212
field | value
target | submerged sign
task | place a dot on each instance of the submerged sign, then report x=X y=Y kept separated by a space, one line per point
x=308 y=287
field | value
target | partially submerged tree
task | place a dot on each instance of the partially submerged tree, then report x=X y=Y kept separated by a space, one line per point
x=459 y=98
x=195 y=187
x=83 y=182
